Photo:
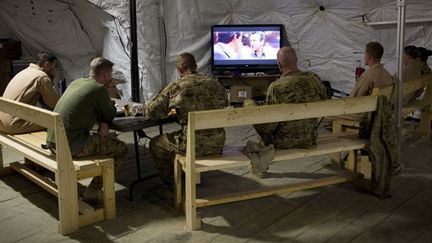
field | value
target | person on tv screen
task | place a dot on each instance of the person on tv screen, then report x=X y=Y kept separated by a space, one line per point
x=256 y=43
x=259 y=47
x=228 y=45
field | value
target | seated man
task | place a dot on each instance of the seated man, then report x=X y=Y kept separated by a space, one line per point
x=412 y=70
x=85 y=103
x=192 y=92
x=294 y=86
x=29 y=86
x=376 y=76
x=424 y=55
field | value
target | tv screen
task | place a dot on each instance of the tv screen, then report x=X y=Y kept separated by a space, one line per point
x=245 y=47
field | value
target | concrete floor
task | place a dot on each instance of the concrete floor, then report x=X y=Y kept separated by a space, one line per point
x=341 y=213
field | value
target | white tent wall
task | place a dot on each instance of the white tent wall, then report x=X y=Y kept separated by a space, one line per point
x=325 y=40
x=76 y=31
x=149 y=41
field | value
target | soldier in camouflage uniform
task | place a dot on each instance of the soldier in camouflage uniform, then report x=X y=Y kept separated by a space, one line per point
x=192 y=92
x=294 y=86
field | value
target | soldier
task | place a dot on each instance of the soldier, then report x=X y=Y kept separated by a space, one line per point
x=86 y=102
x=294 y=86
x=376 y=76
x=424 y=55
x=31 y=85
x=192 y=92
x=412 y=69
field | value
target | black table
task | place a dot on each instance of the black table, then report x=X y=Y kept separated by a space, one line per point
x=135 y=125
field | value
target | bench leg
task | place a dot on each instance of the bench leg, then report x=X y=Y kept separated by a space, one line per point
x=67 y=201
x=108 y=192
x=177 y=184
x=425 y=121
x=336 y=157
x=198 y=178
x=192 y=221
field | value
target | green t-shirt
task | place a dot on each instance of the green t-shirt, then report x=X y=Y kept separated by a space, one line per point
x=84 y=103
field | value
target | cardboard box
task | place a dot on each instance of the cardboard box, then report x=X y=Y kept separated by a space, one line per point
x=238 y=93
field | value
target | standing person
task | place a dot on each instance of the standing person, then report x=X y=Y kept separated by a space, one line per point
x=29 y=86
x=192 y=92
x=294 y=86
x=375 y=76
x=85 y=103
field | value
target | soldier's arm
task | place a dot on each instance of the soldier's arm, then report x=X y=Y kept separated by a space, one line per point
x=158 y=107
x=47 y=92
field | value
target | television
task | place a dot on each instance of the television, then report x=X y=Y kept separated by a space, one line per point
x=245 y=48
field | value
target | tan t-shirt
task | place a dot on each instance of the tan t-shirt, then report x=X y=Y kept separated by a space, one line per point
x=375 y=77
x=28 y=86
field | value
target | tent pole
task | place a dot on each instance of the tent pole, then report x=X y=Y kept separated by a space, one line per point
x=399 y=50
x=134 y=52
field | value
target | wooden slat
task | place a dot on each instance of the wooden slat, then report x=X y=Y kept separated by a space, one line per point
x=264 y=192
x=232 y=156
x=91 y=218
x=30 y=152
x=41 y=181
x=282 y=112
x=39 y=116
x=109 y=192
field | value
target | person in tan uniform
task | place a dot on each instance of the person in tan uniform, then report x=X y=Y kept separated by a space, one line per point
x=412 y=70
x=376 y=76
x=29 y=86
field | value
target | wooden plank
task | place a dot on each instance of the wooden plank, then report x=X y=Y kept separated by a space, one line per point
x=264 y=192
x=41 y=181
x=47 y=161
x=84 y=174
x=283 y=112
x=232 y=156
x=190 y=199
x=86 y=219
x=109 y=192
x=66 y=183
x=39 y=116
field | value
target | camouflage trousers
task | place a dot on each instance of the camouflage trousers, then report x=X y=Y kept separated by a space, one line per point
x=104 y=147
x=163 y=149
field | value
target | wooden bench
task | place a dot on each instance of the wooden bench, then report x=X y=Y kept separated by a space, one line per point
x=423 y=104
x=232 y=157
x=73 y=212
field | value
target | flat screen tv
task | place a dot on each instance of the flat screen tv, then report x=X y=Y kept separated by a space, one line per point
x=245 y=48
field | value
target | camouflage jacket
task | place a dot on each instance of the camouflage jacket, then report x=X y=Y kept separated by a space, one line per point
x=295 y=87
x=193 y=92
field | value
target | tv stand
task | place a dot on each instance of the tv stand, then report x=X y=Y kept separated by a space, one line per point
x=246 y=85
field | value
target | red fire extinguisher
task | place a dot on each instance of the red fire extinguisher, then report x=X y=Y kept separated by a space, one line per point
x=359 y=70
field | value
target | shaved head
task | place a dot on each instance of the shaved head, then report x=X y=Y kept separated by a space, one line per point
x=287 y=59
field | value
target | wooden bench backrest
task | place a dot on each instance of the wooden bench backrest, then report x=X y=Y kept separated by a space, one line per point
x=273 y=113
x=43 y=118
x=65 y=173
x=408 y=88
